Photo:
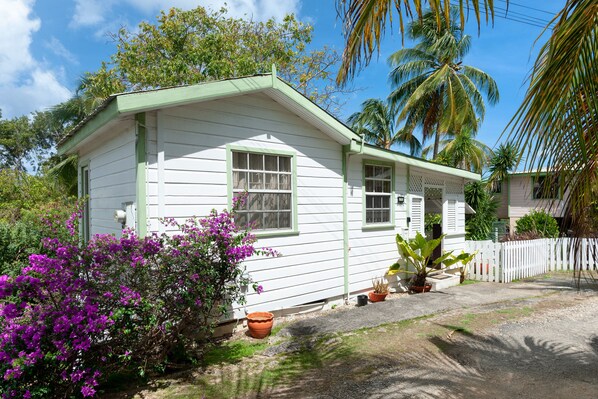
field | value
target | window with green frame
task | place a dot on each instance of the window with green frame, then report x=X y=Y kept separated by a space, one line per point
x=546 y=187
x=378 y=194
x=267 y=179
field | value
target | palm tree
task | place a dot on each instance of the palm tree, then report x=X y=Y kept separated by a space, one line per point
x=504 y=161
x=376 y=124
x=556 y=127
x=463 y=151
x=432 y=86
x=364 y=23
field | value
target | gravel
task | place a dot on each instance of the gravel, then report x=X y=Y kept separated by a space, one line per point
x=549 y=354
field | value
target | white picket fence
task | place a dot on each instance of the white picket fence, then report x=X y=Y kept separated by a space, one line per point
x=508 y=261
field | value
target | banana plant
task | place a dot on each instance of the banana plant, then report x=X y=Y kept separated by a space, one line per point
x=418 y=252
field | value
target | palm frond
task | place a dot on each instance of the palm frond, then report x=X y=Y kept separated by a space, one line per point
x=364 y=24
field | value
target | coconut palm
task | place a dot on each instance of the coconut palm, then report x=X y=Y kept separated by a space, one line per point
x=556 y=127
x=364 y=23
x=376 y=124
x=432 y=86
x=463 y=151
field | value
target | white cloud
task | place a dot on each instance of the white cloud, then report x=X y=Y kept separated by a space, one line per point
x=25 y=84
x=94 y=12
x=90 y=12
x=58 y=48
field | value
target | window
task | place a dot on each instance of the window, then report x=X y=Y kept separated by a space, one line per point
x=378 y=194
x=85 y=194
x=267 y=178
x=546 y=187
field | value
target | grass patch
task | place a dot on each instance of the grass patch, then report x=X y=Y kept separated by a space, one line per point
x=277 y=327
x=468 y=282
x=232 y=352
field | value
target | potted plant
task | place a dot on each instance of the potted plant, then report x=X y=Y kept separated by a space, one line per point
x=417 y=253
x=260 y=324
x=380 y=290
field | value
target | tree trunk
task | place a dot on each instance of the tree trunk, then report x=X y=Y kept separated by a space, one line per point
x=436 y=139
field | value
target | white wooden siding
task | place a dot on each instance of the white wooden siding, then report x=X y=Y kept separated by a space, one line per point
x=189 y=178
x=371 y=251
x=112 y=175
x=522 y=201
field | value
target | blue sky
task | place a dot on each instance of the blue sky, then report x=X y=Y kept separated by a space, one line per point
x=46 y=45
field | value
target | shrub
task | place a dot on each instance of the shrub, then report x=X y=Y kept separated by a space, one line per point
x=539 y=222
x=479 y=225
x=22 y=238
x=78 y=314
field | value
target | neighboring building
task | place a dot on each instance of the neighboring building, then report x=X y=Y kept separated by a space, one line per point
x=527 y=191
x=327 y=201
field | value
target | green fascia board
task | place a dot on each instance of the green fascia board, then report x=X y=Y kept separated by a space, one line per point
x=138 y=102
x=162 y=98
x=330 y=122
x=369 y=150
x=96 y=122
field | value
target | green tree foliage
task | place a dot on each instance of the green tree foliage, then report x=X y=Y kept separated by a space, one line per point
x=364 y=23
x=463 y=151
x=376 y=124
x=188 y=47
x=479 y=225
x=538 y=222
x=25 y=141
x=435 y=91
x=28 y=205
x=556 y=126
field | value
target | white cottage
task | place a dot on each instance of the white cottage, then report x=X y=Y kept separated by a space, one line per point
x=327 y=201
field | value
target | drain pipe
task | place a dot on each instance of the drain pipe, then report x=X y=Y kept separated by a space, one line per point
x=347 y=152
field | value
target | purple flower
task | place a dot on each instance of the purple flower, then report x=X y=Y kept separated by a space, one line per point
x=87 y=391
x=259 y=289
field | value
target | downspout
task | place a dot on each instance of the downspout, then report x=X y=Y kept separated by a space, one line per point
x=140 y=191
x=347 y=152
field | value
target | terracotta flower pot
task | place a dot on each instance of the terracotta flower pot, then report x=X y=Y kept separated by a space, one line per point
x=260 y=324
x=419 y=288
x=374 y=297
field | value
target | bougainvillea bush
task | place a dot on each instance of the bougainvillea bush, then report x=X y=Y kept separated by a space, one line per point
x=80 y=313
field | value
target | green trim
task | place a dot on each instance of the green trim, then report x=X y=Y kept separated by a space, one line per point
x=508 y=196
x=345 y=152
x=132 y=103
x=86 y=130
x=85 y=222
x=378 y=226
x=229 y=186
x=326 y=122
x=533 y=183
x=140 y=155
x=369 y=150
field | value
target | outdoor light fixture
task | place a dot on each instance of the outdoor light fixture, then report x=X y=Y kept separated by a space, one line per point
x=400 y=199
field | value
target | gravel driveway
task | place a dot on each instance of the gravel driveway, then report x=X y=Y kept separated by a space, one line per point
x=551 y=353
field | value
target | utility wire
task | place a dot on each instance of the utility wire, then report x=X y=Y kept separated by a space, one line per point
x=509 y=3
x=531 y=21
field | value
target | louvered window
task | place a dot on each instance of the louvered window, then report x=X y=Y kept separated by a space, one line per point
x=451 y=215
x=417 y=215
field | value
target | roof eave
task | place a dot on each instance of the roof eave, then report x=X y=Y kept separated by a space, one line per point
x=132 y=103
x=420 y=163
